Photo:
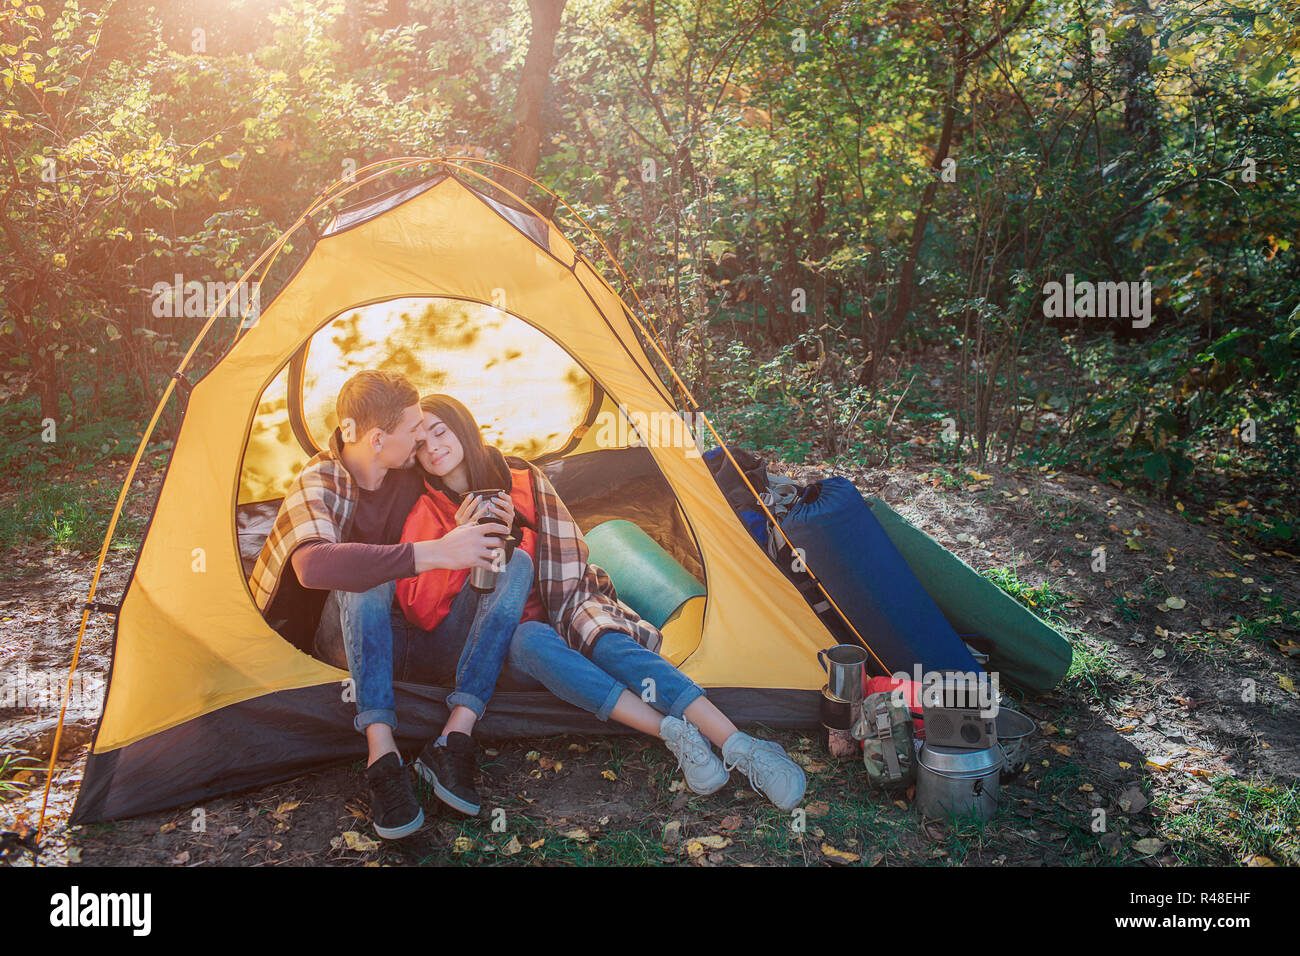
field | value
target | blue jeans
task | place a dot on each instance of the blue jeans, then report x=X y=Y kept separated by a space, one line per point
x=468 y=647
x=617 y=663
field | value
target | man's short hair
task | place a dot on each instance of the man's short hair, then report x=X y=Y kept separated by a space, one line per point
x=374 y=399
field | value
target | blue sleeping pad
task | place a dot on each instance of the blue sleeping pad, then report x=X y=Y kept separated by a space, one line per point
x=849 y=551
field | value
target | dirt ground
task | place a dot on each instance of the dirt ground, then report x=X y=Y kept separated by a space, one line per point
x=1180 y=721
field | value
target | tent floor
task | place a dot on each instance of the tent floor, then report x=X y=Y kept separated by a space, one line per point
x=286 y=734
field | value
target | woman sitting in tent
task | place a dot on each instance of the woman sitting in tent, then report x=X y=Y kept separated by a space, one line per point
x=574 y=637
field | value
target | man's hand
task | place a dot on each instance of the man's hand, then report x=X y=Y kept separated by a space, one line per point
x=466 y=546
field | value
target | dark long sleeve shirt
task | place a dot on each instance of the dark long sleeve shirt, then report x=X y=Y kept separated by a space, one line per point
x=352 y=566
x=374 y=552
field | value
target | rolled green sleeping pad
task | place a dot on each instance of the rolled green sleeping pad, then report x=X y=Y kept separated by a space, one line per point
x=646 y=577
x=1025 y=650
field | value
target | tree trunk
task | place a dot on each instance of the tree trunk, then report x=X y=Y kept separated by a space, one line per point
x=48 y=384
x=963 y=58
x=893 y=322
x=1134 y=52
x=525 y=145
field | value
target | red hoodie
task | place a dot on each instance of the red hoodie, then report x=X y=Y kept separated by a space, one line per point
x=426 y=598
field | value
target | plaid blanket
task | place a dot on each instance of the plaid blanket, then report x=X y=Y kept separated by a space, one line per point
x=318 y=506
x=579 y=597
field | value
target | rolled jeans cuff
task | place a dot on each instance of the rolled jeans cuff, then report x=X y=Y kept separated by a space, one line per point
x=376 y=716
x=459 y=698
x=611 y=699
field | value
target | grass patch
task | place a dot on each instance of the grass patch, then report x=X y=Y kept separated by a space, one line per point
x=70 y=514
x=61 y=481
x=12 y=764
x=1093 y=670
x=1236 y=820
x=1044 y=599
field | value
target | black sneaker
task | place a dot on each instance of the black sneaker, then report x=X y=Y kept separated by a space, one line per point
x=393 y=807
x=450 y=770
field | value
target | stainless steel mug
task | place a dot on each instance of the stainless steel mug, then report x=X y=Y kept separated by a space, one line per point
x=484 y=580
x=844 y=665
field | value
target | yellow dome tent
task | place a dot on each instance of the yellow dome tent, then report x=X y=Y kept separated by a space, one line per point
x=467 y=295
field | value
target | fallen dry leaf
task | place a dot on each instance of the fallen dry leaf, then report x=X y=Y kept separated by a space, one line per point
x=841 y=856
x=609 y=775
x=355 y=841
x=1132 y=800
x=1148 y=846
x=512 y=847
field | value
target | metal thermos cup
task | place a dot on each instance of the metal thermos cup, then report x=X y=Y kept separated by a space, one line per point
x=844 y=664
x=484 y=580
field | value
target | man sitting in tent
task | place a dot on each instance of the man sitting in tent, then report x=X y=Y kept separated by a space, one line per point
x=339 y=529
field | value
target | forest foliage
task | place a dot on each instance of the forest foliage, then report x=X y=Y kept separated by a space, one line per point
x=813 y=200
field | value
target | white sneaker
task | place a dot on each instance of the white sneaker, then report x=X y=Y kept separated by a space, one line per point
x=703 y=770
x=769 y=768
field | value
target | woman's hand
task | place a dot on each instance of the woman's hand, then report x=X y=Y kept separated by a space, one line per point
x=501 y=506
x=469 y=510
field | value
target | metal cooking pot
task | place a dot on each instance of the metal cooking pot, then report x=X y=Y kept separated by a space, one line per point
x=836 y=714
x=1014 y=733
x=954 y=781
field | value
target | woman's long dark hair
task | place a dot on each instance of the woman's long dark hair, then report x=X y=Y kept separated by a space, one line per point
x=485 y=465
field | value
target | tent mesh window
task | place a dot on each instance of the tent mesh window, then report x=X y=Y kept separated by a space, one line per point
x=529 y=396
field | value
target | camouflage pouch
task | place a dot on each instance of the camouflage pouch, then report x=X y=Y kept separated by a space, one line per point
x=886 y=730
